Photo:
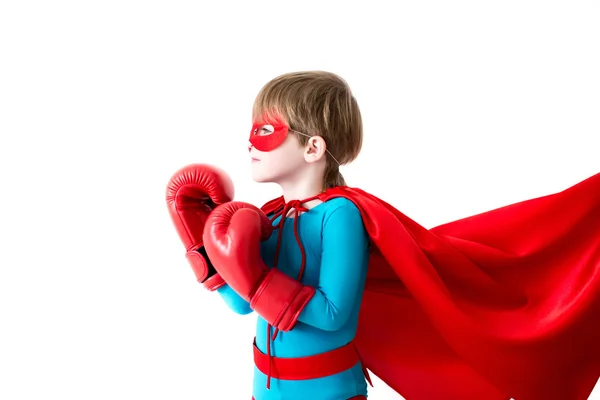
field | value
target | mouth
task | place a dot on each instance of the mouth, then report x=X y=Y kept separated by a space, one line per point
x=254 y=159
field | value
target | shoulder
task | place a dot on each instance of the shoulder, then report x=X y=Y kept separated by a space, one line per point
x=343 y=224
x=342 y=211
x=337 y=203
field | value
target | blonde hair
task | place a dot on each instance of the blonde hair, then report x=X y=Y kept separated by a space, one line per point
x=317 y=103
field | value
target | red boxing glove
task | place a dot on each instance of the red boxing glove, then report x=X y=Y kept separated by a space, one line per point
x=192 y=193
x=232 y=238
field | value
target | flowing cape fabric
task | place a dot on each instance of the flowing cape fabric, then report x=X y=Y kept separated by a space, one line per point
x=497 y=305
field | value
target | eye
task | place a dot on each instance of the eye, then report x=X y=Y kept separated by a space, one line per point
x=265 y=130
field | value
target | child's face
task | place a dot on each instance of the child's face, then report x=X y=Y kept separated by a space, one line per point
x=281 y=157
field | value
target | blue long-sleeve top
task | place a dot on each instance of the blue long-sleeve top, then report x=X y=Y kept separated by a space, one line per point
x=337 y=254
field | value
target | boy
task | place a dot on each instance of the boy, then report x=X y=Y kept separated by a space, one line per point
x=305 y=125
x=499 y=305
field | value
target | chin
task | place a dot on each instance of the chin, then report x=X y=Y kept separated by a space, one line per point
x=260 y=180
x=263 y=173
x=261 y=177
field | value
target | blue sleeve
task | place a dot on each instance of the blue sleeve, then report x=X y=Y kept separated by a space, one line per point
x=234 y=300
x=344 y=262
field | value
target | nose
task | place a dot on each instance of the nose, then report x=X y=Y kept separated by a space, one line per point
x=249 y=147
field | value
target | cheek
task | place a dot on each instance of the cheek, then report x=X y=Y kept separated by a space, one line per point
x=290 y=152
x=284 y=160
x=280 y=160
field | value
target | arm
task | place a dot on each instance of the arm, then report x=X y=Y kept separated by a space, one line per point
x=343 y=272
x=232 y=235
x=234 y=300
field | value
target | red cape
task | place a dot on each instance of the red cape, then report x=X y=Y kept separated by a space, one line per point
x=498 y=305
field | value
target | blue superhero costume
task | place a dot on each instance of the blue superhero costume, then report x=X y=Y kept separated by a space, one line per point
x=336 y=246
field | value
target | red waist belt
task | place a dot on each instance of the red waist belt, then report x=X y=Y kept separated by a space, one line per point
x=310 y=367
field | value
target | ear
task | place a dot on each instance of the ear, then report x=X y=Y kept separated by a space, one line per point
x=315 y=149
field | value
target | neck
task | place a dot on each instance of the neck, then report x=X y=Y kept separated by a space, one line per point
x=300 y=189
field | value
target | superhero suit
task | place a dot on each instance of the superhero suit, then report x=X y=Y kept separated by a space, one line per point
x=498 y=305
x=333 y=258
x=325 y=248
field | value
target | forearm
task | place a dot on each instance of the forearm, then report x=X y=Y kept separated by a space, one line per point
x=337 y=297
x=322 y=313
x=235 y=302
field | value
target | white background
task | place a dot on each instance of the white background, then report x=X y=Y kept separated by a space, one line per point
x=467 y=106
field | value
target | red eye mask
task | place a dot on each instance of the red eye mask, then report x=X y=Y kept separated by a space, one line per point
x=267 y=137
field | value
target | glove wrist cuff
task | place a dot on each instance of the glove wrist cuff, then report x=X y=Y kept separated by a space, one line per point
x=203 y=269
x=213 y=282
x=279 y=299
x=198 y=264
